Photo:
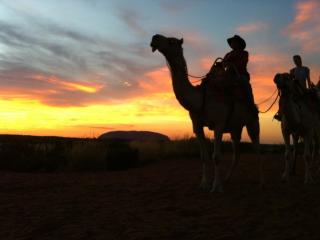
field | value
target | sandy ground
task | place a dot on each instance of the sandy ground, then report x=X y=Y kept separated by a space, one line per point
x=159 y=201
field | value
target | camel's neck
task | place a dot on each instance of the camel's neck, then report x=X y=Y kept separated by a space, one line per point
x=290 y=110
x=187 y=95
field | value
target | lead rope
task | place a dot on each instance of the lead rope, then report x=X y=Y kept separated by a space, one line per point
x=201 y=77
x=267 y=99
x=189 y=75
x=275 y=100
x=192 y=76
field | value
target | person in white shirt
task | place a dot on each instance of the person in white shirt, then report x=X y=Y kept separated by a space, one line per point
x=301 y=75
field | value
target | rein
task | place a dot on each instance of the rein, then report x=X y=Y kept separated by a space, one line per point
x=275 y=100
x=192 y=76
x=189 y=75
x=267 y=99
x=199 y=77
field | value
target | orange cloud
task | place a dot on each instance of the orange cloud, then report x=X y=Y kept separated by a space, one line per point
x=84 y=87
x=314 y=73
x=206 y=63
x=304 y=9
x=305 y=28
x=156 y=81
x=262 y=68
x=269 y=64
x=252 y=27
x=195 y=38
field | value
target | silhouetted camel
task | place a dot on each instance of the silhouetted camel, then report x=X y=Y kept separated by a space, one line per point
x=205 y=110
x=298 y=119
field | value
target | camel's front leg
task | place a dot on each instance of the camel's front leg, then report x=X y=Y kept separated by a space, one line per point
x=204 y=155
x=294 y=155
x=315 y=152
x=217 y=183
x=316 y=149
x=236 y=152
x=307 y=161
x=287 y=157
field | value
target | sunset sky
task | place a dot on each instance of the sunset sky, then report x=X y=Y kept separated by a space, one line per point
x=81 y=68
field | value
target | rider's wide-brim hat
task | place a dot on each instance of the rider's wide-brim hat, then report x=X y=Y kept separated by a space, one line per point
x=240 y=40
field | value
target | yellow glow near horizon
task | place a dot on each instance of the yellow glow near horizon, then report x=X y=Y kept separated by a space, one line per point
x=21 y=116
x=30 y=116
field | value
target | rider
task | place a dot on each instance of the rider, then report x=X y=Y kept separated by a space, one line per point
x=238 y=58
x=301 y=75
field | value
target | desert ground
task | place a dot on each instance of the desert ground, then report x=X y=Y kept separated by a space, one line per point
x=159 y=201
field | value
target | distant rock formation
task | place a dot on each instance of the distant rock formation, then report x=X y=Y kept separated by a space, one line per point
x=134 y=136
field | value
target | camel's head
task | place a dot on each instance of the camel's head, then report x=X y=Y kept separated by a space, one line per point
x=165 y=45
x=283 y=81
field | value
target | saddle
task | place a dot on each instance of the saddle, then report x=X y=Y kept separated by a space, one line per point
x=313 y=99
x=224 y=84
x=311 y=96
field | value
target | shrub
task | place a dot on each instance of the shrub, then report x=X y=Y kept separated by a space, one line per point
x=18 y=156
x=187 y=147
x=120 y=156
x=88 y=156
x=148 y=151
x=56 y=155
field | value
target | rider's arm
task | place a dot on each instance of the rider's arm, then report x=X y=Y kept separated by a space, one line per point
x=292 y=72
x=310 y=84
x=226 y=59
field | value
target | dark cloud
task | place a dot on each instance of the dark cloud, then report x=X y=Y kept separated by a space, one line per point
x=177 y=6
x=46 y=49
x=31 y=49
x=132 y=19
x=170 y=7
x=12 y=35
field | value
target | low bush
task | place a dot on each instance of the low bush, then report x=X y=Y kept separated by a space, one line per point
x=52 y=155
x=87 y=156
x=120 y=156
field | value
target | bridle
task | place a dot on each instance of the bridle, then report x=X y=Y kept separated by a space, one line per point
x=275 y=100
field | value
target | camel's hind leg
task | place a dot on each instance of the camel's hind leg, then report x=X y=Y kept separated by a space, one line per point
x=217 y=183
x=236 y=137
x=295 y=140
x=205 y=158
x=315 y=151
x=287 y=156
x=253 y=129
x=307 y=161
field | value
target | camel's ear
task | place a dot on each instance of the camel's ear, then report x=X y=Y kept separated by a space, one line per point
x=276 y=78
x=181 y=41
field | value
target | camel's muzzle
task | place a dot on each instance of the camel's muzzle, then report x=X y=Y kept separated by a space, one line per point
x=281 y=80
x=155 y=42
x=153 y=47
